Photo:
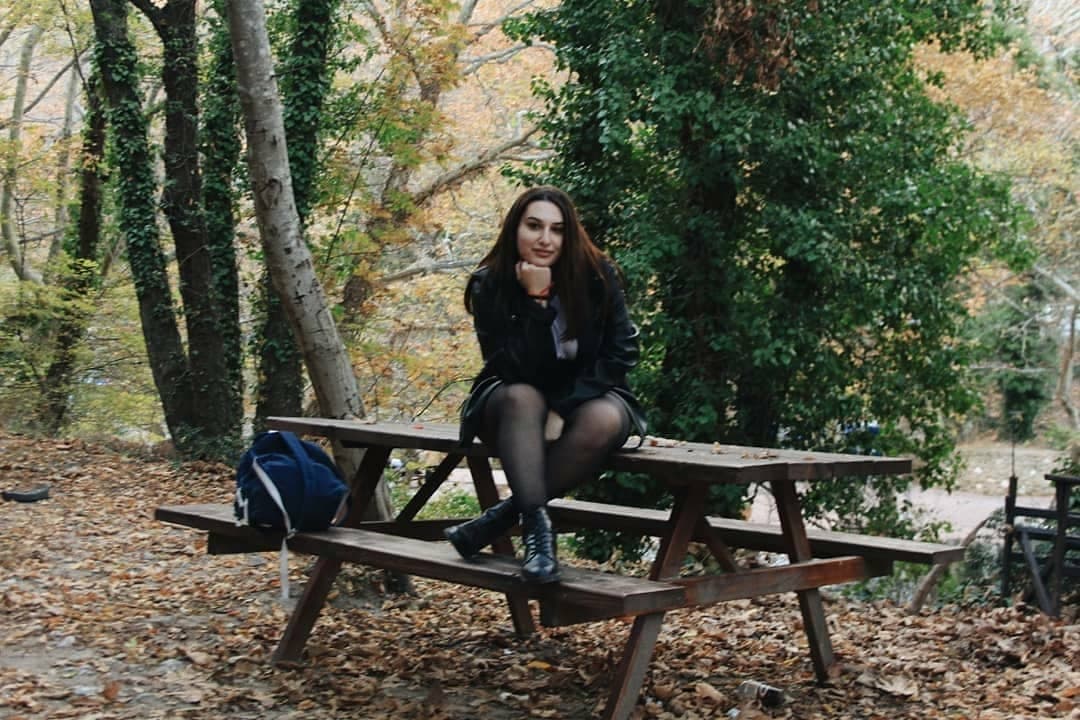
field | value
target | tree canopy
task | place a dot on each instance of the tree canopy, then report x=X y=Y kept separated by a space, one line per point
x=790 y=209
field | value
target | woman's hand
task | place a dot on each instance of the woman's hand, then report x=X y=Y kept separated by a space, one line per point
x=535 y=279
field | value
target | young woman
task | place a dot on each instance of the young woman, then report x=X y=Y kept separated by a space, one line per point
x=557 y=343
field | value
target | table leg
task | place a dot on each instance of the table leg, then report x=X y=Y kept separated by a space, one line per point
x=322 y=576
x=626 y=686
x=798 y=549
x=365 y=483
x=686 y=514
x=433 y=482
x=488 y=495
x=307 y=610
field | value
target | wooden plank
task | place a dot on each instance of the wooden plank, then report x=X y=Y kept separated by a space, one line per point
x=438 y=561
x=1041 y=594
x=1063 y=486
x=797 y=546
x=1072 y=542
x=365 y=483
x=432 y=482
x=430 y=530
x=685 y=462
x=307 y=610
x=217 y=517
x=806 y=575
x=753 y=536
x=631 y=670
x=613 y=595
x=684 y=518
x=218 y=544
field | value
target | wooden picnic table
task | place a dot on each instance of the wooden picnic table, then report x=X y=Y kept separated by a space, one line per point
x=408 y=545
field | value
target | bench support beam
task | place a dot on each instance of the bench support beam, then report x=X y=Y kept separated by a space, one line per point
x=308 y=609
x=813 y=612
x=808 y=575
x=626 y=686
x=326 y=569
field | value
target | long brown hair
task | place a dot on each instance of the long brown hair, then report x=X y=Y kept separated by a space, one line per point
x=579 y=261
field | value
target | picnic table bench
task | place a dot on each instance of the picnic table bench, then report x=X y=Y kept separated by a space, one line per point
x=407 y=545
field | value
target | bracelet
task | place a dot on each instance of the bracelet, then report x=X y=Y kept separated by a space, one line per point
x=543 y=294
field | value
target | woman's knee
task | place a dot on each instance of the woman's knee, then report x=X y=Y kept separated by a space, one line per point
x=520 y=399
x=602 y=422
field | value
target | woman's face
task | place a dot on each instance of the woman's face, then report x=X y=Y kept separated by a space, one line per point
x=540 y=233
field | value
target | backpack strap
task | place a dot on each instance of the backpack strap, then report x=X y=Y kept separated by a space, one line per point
x=303 y=460
x=272 y=491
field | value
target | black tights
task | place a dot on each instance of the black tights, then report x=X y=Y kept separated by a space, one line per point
x=513 y=424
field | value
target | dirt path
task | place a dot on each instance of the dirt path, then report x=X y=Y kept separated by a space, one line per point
x=989 y=466
x=980 y=489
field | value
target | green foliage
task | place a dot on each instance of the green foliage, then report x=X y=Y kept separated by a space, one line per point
x=219 y=138
x=619 y=488
x=790 y=212
x=112 y=394
x=449 y=503
x=305 y=71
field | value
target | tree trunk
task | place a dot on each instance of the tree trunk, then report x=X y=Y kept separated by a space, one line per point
x=1065 y=371
x=216 y=403
x=16 y=254
x=305 y=83
x=79 y=282
x=288 y=258
x=119 y=62
x=280 y=388
x=220 y=140
x=63 y=162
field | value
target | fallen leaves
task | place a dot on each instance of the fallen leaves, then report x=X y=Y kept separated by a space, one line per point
x=898 y=685
x=106 y=613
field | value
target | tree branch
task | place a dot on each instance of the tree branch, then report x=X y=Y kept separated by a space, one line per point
x=471 y=65
x=152 y=13
x=41 y=95
x=459 y=174
x=426 y=267
x=930 y=581
x=467 y=9
x=497 y=22
x=11 y=21
x=1058 y=281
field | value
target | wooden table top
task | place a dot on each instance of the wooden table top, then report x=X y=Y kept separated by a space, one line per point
x=677 y=461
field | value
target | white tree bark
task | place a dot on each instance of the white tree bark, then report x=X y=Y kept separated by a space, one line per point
x=287 y=256
x=19 y=262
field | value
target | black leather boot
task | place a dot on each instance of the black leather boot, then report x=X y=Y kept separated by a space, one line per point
x=540 y=565
x=471 y=537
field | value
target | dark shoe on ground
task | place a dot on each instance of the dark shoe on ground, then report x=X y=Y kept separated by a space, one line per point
x=471 y=537
x=540 y=565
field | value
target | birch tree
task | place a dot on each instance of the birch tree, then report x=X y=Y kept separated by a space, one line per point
x=11 y=162
x=287 y=256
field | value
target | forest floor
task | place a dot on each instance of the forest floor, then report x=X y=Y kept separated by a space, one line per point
x=105 y=613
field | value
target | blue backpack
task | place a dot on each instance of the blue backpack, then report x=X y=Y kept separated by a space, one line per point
x=285 y=483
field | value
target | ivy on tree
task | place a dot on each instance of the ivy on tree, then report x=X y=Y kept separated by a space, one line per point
x=789 y=207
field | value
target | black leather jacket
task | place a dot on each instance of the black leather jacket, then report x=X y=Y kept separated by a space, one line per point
x=517 y=346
